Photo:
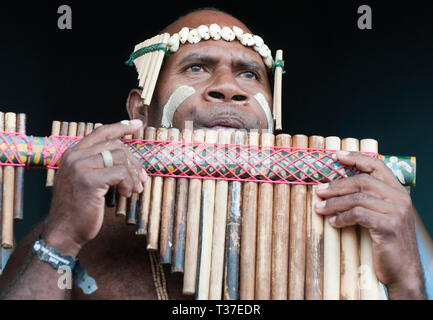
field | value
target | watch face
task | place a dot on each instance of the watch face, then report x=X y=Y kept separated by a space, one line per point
x=37 y=246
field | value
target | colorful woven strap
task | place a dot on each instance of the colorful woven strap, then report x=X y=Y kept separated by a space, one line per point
x=209 y=161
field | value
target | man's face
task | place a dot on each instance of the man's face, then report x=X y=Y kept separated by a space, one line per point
x=226 y=77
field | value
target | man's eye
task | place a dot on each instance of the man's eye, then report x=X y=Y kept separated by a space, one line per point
x=249 y=75
x=195 y=68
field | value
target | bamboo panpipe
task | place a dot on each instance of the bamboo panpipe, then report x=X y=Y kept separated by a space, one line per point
x=297 y=233
x=264 y=232
x=248 y=234
x=314 y=249
x=349 y=246
x=331 y=246
x=232 y=236
x=272 y=228
x=181 y=208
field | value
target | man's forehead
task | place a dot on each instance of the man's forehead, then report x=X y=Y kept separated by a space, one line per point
x=205 y=17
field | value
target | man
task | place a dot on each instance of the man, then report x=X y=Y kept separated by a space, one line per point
x=225 y=76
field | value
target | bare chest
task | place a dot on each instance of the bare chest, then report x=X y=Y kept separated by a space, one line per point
x=120 y=264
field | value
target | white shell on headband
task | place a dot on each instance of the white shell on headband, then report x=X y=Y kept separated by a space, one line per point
x=264 y=51
x=173 y=42
x=183 y=34
x=258 y=42
x=238 y=32
x=227 y=34
x=247 y=39
x=269 y=62
x=203 y=31
x=193 y=36
x=215 y=31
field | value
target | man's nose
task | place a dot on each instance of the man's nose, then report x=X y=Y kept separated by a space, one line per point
x=225 y=88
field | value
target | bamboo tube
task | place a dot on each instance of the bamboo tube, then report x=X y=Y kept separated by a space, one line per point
x=156 y=69
x=314 y=249
x=278 y=91
x=167 y=212
x=297 y=236
x=181 y=209
x=233 y=233
x=156 y=199
x=8 y=192
x=19 y=175
x=193 y=226
x=368 y=284
x=349 y=247
x=153 y=57
x=206 y=229
x=64 y=126
x=280 y=232
x=132 y=208
x=89 y=128
x=143 y=74
x=219 y=230
x=331 y=246
x=72 y=129
x=55 y=131
x=81 y=129
x=2 y=128
x=122 y=201
x=264 y=231
x=248 y=234
x=144 y=202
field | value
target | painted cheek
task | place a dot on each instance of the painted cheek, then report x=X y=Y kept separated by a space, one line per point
x=266 y=109
x=174 y=101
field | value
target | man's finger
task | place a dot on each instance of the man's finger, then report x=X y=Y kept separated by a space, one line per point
x=364 y=183
x=370 y=165
x=111 y=145
x=347 y=202
x=359 y=216
x=107 y=177
x=110 y=132
x=91 y=163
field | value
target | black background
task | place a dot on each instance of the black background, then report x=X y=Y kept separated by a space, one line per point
x=340 y=80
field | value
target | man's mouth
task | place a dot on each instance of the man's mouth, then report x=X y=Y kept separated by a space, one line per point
x=225 y=124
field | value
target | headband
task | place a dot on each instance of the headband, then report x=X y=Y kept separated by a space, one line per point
x=149 y=54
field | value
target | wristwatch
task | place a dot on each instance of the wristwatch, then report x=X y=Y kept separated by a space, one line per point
x=58 y=260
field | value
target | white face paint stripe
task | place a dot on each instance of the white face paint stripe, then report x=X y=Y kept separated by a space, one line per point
x=177 y=97
x=265 y=106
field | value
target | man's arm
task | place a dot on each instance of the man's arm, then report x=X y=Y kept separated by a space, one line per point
x=77 y=209
x=26 y=277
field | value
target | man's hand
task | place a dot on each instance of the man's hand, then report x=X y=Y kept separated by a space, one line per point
x=377 y=201
x=77 y=209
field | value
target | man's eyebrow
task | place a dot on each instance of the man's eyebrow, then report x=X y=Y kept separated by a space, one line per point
x=240 y=63
x=250 y=64
x=194 y=57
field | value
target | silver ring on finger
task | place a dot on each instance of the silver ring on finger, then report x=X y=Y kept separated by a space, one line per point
x=107 y=157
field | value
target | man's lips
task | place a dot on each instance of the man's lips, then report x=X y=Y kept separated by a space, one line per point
x=225 y=123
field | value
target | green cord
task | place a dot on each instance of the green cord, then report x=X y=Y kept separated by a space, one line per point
x=278 y=64
x=144 y=50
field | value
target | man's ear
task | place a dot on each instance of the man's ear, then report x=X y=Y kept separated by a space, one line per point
x=135 y=107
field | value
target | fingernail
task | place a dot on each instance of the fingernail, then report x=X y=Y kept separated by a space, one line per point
x=125 y=122
x=144 y=174
x=320 y=205
x=140 y=188
x=332 y=219
x=322 y=186
x=343 y=153
x=136 y=123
